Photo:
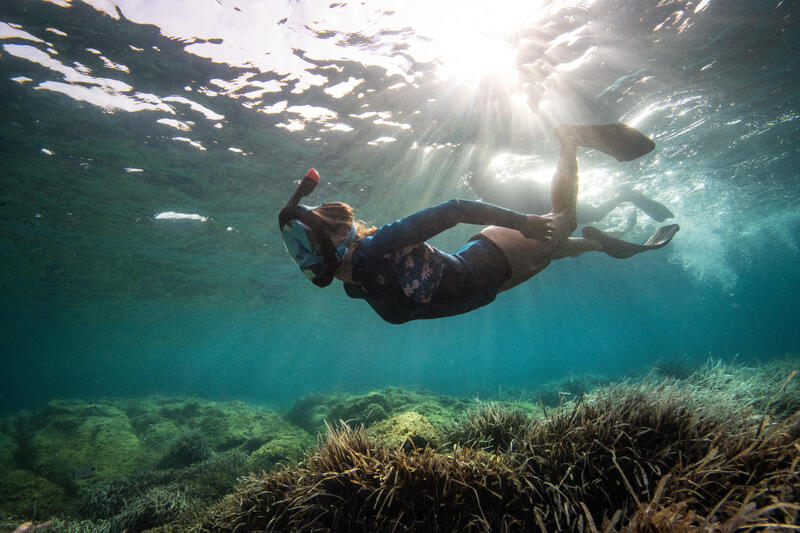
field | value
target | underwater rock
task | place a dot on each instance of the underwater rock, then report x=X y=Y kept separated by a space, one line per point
x=311 y=413
x=214 y=477
x=407 y=430
x=157 y=434
x=161 y=423
x=204 y=482
x=279 y=451
x=189 y=448
x=366 y=409
x=24 y=494
x=8 y=449
x=82 y=472
x=226 y=425
x=75 y=436
x=102 y=454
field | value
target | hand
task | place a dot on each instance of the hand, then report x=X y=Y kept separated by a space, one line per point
x=538 y=227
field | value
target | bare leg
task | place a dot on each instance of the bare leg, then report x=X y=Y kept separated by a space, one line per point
x=564 y=190
x=526 y=256
x=574 y=246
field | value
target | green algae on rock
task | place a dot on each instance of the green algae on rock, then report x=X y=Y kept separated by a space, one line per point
x=189 y=448
x=24 y=494
x=281 y=450
x=8 y=449
x=94 y=440
x=226 y=425
x=407 y=430
x=312 y=413
x=77 y=455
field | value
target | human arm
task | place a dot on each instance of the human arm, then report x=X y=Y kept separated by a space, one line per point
x=422 y=225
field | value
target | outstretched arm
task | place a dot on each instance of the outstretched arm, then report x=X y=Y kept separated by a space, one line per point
x=422 y=225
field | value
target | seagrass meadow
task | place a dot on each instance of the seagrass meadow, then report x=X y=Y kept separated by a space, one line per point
x=631 y=458
x=716 y=451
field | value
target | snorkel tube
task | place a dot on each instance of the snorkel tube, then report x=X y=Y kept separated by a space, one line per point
x=292 y=209
x=323 y=275
x=307 y=185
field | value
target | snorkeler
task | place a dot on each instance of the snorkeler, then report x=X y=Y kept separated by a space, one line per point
x=404 y=278
x=529 y=196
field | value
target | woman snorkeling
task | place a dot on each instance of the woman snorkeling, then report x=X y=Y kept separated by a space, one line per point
x=404 y=278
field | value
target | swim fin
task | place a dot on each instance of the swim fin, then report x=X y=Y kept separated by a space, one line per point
x=617 y=140
x=655 y=210
x=623 y=249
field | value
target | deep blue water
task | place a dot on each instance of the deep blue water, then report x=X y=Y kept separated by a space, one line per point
x=116 y=112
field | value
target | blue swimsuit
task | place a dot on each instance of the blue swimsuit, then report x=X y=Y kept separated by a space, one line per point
x=404 y=278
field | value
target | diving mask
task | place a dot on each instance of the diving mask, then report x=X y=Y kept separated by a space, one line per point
x=306 y=239
x=304 y=246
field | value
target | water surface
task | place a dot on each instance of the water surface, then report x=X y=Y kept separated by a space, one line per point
x=146 y=148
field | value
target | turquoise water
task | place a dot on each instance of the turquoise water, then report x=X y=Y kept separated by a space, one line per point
x=116 y=114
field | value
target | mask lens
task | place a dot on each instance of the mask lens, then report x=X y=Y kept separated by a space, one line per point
x=298 y=242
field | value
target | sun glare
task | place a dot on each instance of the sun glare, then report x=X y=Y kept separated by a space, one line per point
x=469 y=58
x=475 y=41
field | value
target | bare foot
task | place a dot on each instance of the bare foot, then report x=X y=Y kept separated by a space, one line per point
x=565 y=133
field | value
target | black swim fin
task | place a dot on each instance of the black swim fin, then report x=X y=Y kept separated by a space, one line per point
x=623 y=249
x=655 y=210
x=617 y=140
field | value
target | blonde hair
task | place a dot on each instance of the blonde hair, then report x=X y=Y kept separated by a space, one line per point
x=338 y=216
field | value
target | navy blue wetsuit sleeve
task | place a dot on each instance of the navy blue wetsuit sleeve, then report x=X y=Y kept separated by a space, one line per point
x=422 y=225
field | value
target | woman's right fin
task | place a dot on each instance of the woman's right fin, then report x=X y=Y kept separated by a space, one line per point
x=624 y=249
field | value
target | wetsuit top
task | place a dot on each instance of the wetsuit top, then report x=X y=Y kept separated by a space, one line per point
x=404 y=278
